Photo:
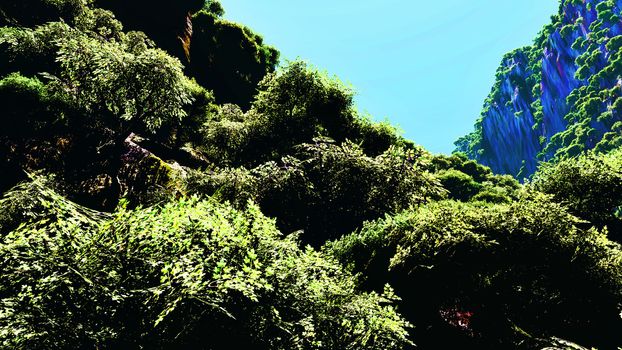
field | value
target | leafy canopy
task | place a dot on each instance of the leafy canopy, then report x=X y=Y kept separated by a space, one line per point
x=192 y=273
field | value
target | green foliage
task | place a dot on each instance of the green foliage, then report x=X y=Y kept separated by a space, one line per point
x=33 y=51
x=225 y=57
x=34 y=12
x=293 y=106
x=103 y=76
x=376 y=137
x=30 y=51
x=29 y=113
x=460 y=185
x=327 y=190
x=191 y=274
x=26 y=103
x=460 y=162
x=500 y=276
x=590 y=185
x=494 y=194
x=466 y=180
x=147 y=88
x=228 y=58
x=214 y=7
x=98 y=86
x=611 y=140
x=113 y=116
x=34 y=200
x=301 y=103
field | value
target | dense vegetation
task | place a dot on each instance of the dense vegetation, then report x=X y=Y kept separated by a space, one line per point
x=224 y=57
x=165 y=186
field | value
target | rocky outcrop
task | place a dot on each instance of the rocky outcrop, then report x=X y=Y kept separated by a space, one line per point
x=143 y=174
x=142 y=177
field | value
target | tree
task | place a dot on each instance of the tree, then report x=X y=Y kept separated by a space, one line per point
x=327 y=189
x=293 y=106
x=228 y=58
x=590 y=185
x=494 y=276
x=144 y=89
x=460 y=185
x=189 y=274
x=34 y=12
x=98 y=86
x=225 y=57
x=468 y=181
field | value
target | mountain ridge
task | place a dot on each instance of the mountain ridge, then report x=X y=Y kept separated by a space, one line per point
x=556 y=98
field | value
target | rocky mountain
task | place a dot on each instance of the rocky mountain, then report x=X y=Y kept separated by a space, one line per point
x=558 y=97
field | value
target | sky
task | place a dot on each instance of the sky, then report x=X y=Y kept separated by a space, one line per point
x=425 y=66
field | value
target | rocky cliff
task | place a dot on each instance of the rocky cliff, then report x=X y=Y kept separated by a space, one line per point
x=558 y=97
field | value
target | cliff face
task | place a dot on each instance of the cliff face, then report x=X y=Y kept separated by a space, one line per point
x=555 y=98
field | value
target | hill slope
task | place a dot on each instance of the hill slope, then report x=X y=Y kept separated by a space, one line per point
x=558 y=97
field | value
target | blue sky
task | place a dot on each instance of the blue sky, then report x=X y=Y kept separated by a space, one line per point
x=426 y=66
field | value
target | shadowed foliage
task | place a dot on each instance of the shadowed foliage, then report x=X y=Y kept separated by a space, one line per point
x=165 y=186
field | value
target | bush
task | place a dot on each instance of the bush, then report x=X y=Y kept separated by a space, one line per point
x=191 y=274
x=461 y=186
x=465 y=180
x=494 y=276
x=590 y=185
x=292 y=107
x=327 y=190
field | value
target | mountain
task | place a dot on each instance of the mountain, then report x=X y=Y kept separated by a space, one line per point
x=557 y=98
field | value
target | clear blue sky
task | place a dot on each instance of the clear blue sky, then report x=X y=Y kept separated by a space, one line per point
x=426 y=66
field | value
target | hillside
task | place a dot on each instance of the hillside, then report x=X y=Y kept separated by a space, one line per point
x=168 y=184
x=557 y=98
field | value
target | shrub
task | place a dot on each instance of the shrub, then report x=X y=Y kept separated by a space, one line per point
x=191 y=274
x=494 y=275
x=590 y=185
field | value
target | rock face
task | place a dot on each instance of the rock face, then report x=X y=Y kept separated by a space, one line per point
x=558 y=97
x=144 y=175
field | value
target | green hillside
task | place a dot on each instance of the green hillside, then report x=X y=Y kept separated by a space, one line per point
x=167 y=183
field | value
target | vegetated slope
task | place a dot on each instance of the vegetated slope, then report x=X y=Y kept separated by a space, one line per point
x=139 y=211
x=558 y=97
x=224 y=57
